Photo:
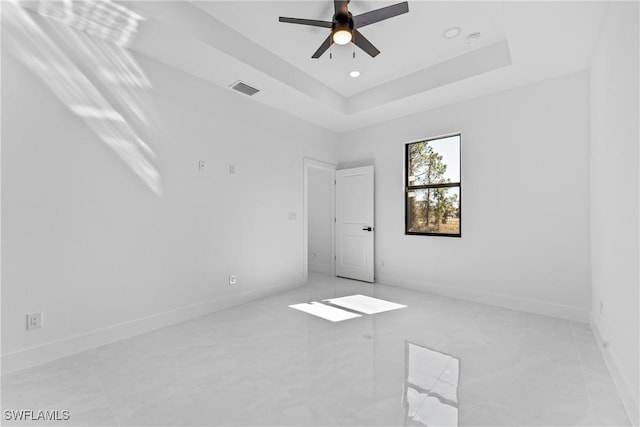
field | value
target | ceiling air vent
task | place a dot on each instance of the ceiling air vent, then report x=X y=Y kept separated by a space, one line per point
x=244 y=88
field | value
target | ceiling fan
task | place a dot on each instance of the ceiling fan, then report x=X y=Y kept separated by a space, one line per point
x=344 y=26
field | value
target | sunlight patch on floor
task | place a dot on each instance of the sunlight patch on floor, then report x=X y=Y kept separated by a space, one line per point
x=354 y=303
x=365 y=304
x=325 y=311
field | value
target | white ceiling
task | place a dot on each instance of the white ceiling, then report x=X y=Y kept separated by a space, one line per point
x=407 y=44
x=418 y=69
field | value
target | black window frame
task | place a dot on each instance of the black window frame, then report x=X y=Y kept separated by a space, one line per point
x=408 y=188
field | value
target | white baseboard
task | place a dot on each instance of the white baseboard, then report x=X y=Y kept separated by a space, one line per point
x=545 y=308
x=629 y=400
x=47 y=352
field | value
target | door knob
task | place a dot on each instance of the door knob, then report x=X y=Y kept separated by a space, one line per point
x=367 y=228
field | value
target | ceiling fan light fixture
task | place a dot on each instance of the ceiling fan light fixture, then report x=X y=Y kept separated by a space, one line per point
x=342 y=37
x=355 y=73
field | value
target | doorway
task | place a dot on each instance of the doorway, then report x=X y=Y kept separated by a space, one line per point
x=319 y=217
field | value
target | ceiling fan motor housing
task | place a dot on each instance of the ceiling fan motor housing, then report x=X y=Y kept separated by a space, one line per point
x=342 y=22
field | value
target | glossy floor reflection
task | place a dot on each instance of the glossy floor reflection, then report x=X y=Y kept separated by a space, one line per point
x=431 y=387
x=265 y=364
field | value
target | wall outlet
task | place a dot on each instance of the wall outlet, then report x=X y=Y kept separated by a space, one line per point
x=601 y=308
x=232 y=169
x=34 y=321
x=232 y=280
x=293 y=215
x=202 y=165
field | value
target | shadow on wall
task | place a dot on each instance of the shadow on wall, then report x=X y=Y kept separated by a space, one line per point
x=78 y=49
x=357 y=164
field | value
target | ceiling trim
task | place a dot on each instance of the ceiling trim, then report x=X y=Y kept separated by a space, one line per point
x=462 y=67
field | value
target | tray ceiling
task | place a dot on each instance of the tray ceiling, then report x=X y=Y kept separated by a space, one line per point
x=418 y=68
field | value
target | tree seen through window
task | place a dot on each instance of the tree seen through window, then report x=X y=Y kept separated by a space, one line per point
x=433 y=187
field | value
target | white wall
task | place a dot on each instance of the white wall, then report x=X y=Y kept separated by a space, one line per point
x=525 y=199
x=614 y=196
x=320 y=220
x=85 y=242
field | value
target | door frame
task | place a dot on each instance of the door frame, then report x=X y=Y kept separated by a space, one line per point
x=309 y=163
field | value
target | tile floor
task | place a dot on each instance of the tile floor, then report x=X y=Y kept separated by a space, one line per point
x=264 y=363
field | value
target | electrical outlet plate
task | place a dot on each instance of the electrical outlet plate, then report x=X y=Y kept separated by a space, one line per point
x=232 y=280
x=34 y=321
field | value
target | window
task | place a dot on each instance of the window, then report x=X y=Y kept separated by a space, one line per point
x=432 y=188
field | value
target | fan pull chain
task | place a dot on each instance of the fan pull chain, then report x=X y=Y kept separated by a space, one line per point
x=353 y=45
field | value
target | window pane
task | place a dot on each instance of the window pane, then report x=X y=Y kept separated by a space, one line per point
x=434 y=162
x=434 y=210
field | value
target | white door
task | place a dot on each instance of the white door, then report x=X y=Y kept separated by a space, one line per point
x=354 y=223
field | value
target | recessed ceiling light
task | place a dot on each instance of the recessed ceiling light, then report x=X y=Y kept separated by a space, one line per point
x=451 y=33
x=354 y=73
x=473 y=38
